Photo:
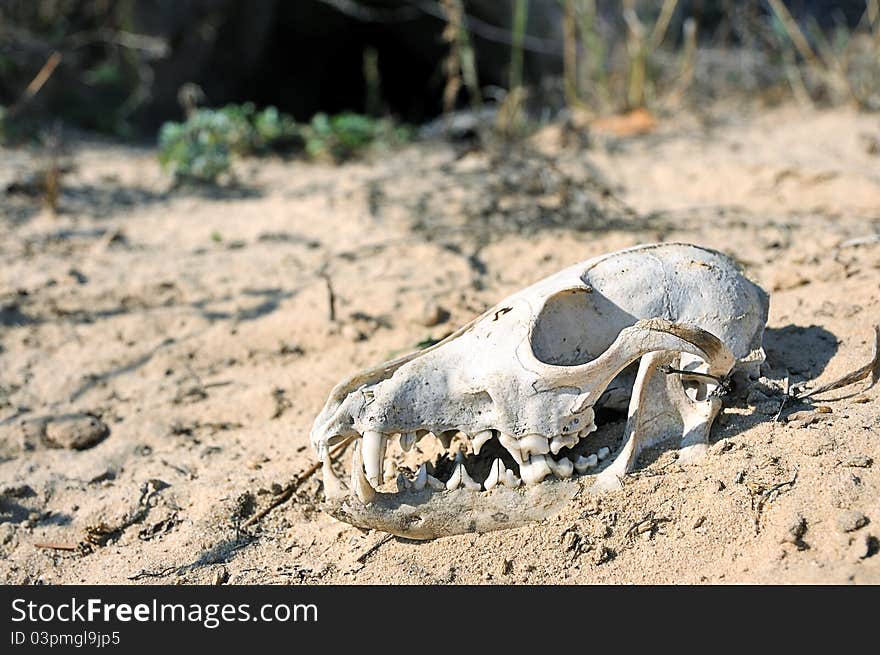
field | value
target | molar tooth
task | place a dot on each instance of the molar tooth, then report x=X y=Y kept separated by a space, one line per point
x=480 y=439
x=512 y=446
x=534 y=444
x=359 y=481
x=536 y=470
x=561 y=441
x=564 y=468
x=496 y=474
x=583 y=464
x=435 y=484
x=407 y=440
x=421 y=478
x=603 y=453
x=510 y=479
x=373 y=454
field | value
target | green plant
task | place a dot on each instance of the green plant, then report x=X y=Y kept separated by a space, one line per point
x=201 y=148
x=344 y=135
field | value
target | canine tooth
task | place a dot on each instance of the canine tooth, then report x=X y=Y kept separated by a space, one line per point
x=374 y=452
x=421 y=478
x=604 y=451
x=534 y=444
x=582 y=464
x=535 y=470
x=480 y=439
x=435 y=484
x=561 y=441
x=407 y=440
x=359 y=481
x=333 y=486
x=564 y=468
x=510 y=479
x=496 y=474
x=512 y=446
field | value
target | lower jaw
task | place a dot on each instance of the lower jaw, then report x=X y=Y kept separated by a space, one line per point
x=430 y=514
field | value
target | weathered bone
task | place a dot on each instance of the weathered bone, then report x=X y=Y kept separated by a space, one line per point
x=532 y=370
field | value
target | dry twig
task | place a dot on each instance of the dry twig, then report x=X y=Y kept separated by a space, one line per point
x=870 y=370
x=295 y=484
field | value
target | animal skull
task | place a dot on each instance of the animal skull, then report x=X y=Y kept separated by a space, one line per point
x=523 y=381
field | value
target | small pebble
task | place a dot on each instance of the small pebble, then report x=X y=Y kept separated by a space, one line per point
x=859 y=461
x=76 y=431
x=851 y=520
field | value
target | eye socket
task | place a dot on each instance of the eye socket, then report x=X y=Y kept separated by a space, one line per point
x=575 y=326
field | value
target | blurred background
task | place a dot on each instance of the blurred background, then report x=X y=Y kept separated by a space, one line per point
x=125 y=67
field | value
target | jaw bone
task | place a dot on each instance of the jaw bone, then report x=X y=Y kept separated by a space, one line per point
x=523 y=381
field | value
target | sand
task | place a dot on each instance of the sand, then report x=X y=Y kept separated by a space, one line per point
x=163 y=353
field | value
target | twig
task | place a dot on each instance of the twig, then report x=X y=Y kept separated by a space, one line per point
x=372 y=549
x=298 y=479
x=784 y=398
x=37 y=83
x=871 y=369
x=56 y=546
x=154 y=574
x=795 y=34
x=669 y=370
x=331 y=297
x=662 y=24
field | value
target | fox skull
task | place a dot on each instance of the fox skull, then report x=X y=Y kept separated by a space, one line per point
x=526 y=378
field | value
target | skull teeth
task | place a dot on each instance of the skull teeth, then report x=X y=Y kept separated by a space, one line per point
x=561 y=441
x=564 y=468
x=498 y=474
x=461 y=478
x=480 y=439
x=374 y=455
x=583 y=464
x=533 y=444
x=535 y=470
x=512 y=446
x=532 y=454
x=359 y=481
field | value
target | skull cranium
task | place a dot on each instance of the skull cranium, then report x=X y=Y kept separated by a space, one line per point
x=526 y=378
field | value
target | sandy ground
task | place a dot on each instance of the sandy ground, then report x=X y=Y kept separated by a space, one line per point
x=163 y=354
